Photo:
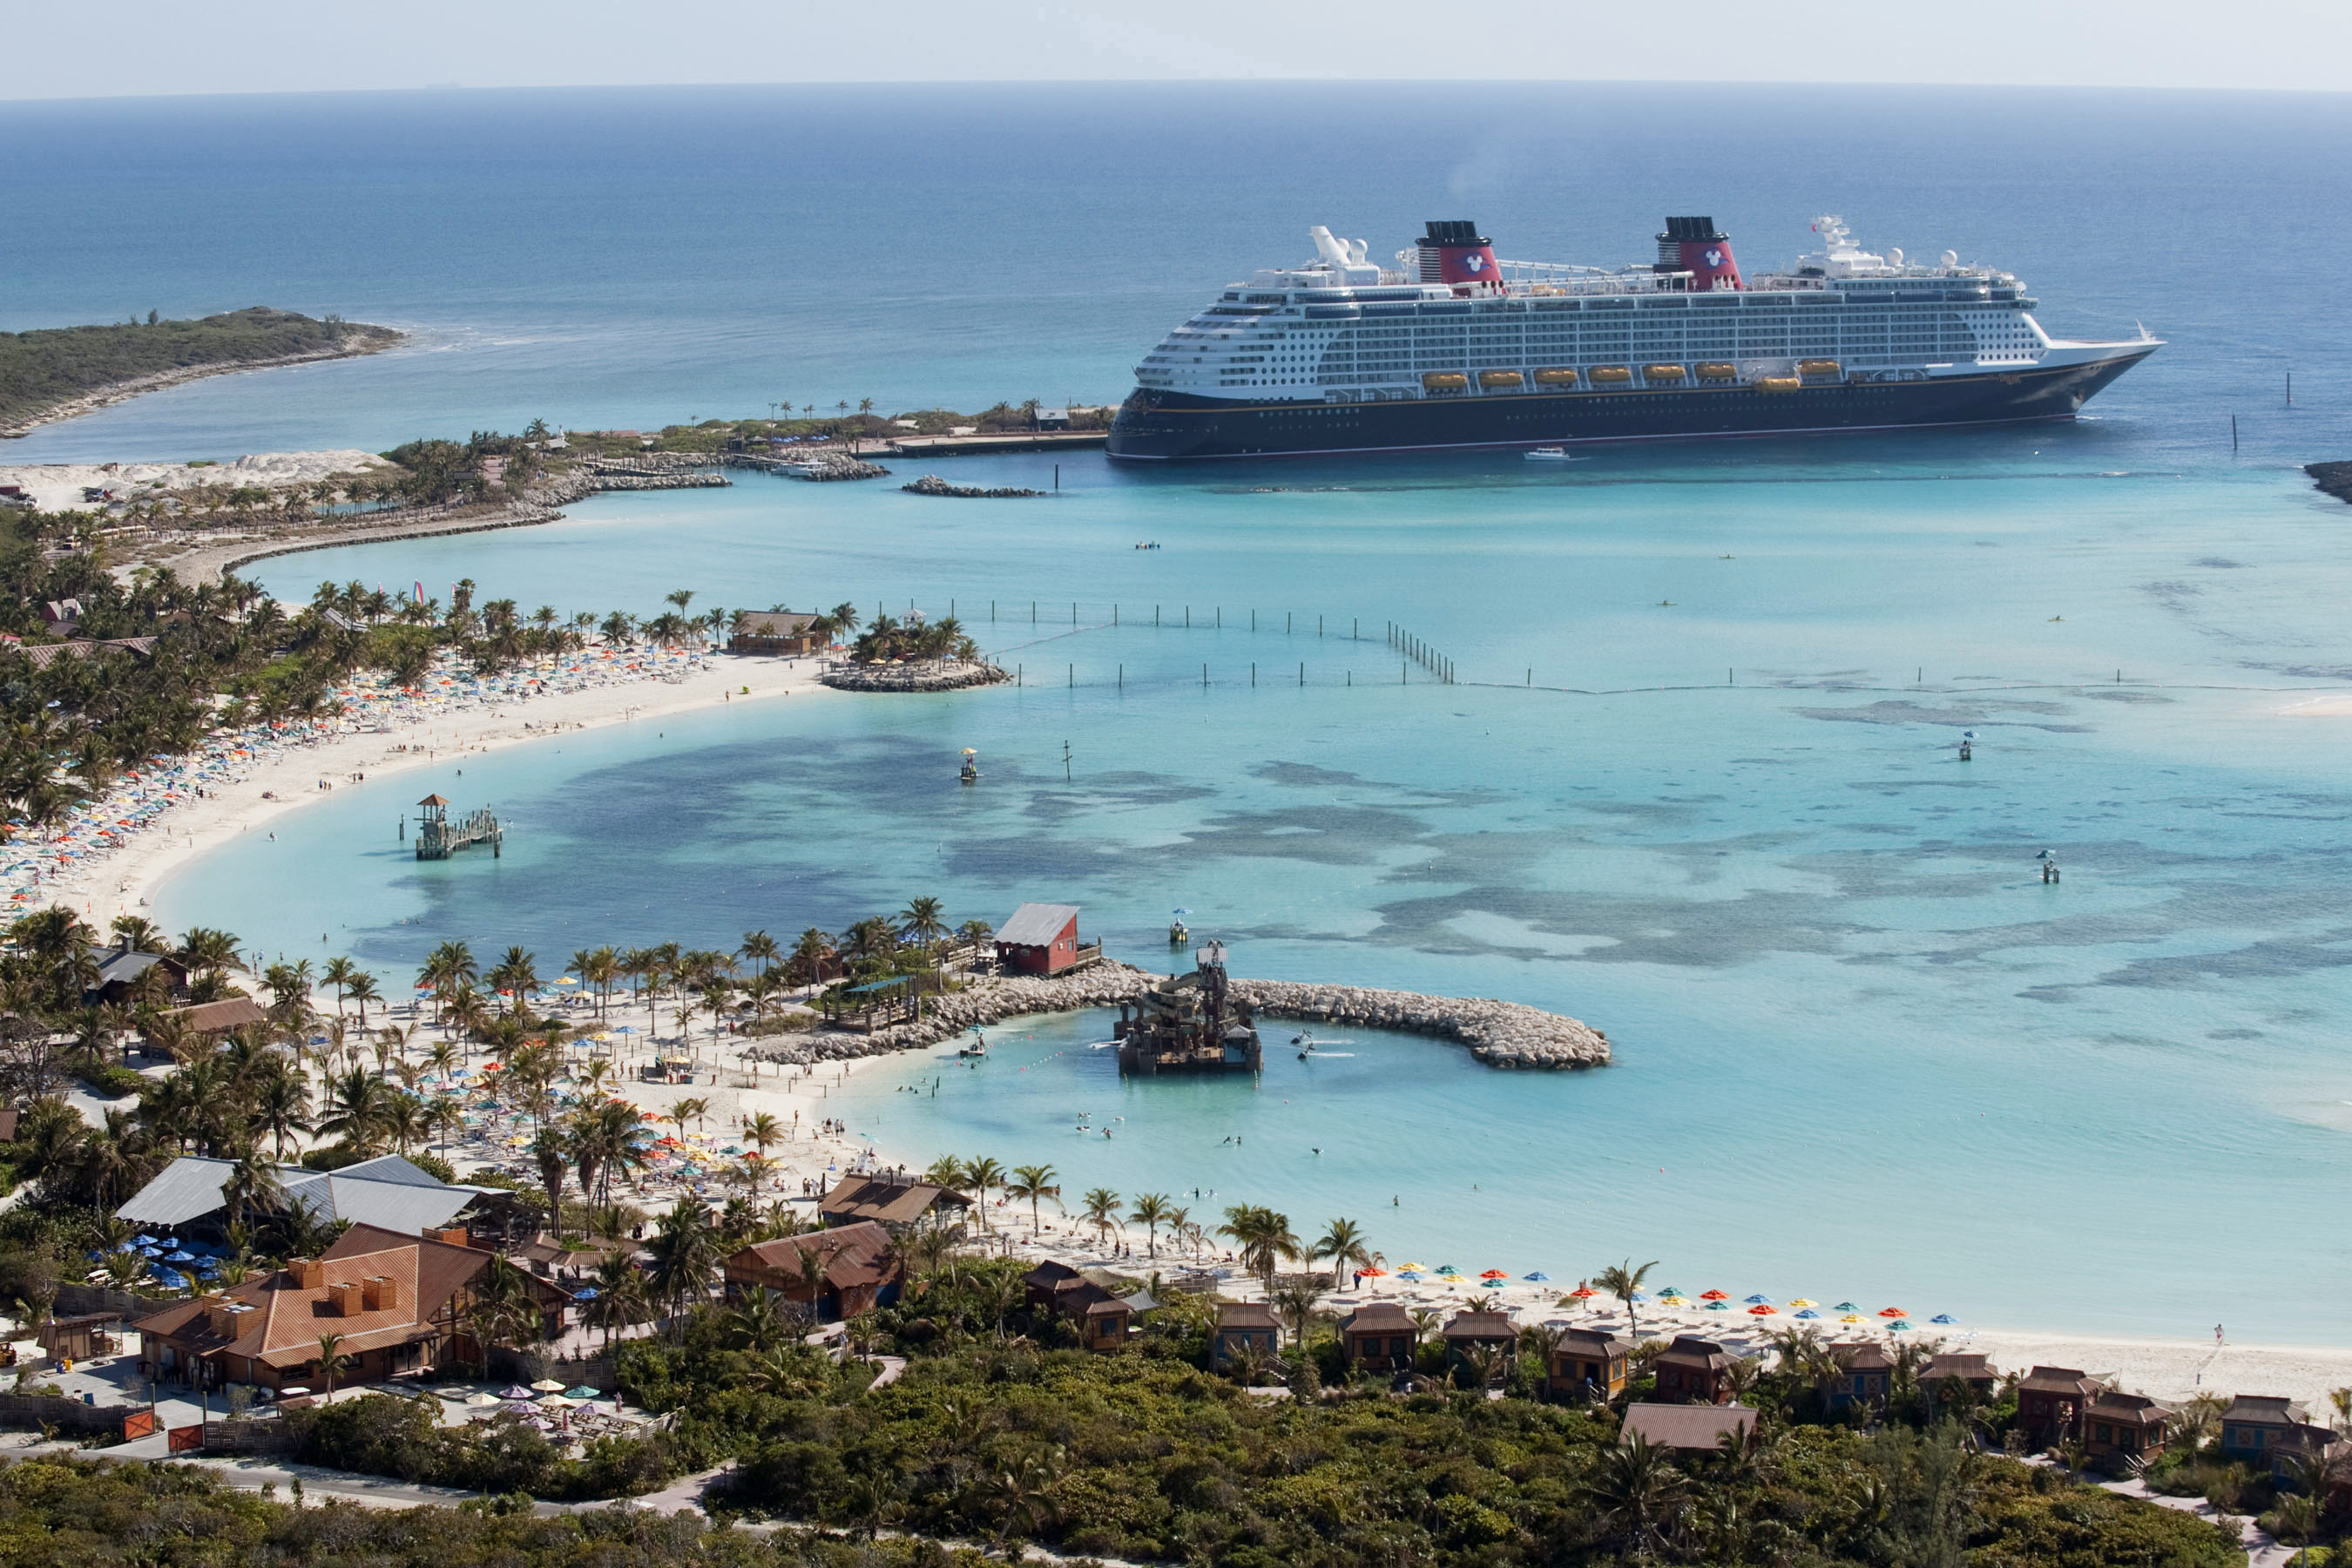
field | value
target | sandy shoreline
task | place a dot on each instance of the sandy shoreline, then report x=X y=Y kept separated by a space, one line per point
x=352 y=347
x=128 y=882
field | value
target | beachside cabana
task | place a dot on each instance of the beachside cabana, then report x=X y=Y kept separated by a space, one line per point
x=1380 y=1336
x=2051 y=1401
x=1940 y=1379
x=1587 y=1363
x=1687 y=1428
x=2123 y=1430
x=210 y=1020
x=1694 y=1371
x=1243 y=1328
x=1471 y=1331
x=2271 y=1432
x=1864 y=1376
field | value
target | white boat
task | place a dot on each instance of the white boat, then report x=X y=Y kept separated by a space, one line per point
x=1549 y=454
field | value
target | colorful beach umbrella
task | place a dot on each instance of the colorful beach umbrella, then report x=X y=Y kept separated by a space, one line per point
x=1718 y=1306
x=1943 y=1318
x=1493 y=1274
x=1845 y=1306
x=1809 y=1313
x=1801 y=1301
x=1762 y=1311
x=1892 y=1312
x=1539 y=1277
x=1714 y=1296
x=1582 y=1292
x=1760 y=1301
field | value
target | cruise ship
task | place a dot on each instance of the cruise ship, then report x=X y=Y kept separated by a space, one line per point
x=1454 y=347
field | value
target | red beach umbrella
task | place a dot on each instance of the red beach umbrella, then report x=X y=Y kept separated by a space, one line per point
x=1892 y=1312
x=1715 y=1296
x=1582 y=1291
x=1762 y=1311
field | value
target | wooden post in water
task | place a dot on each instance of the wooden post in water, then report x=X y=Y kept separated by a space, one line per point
x=1253 y=674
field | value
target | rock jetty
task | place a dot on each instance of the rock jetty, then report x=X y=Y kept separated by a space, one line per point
x=932 y=485
x=2335 y=479
x=829 y=466
x=1500 y=1034
x=950 y=676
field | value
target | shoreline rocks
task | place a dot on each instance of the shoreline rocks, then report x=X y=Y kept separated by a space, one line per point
x=932 y=485
x=1499 y=1033
x=2333 y=479
x=912 y=676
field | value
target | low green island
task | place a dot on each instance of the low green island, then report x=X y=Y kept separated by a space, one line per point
x=57 y=373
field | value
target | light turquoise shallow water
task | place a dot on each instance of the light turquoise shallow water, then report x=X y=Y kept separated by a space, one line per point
x=1861 y=1049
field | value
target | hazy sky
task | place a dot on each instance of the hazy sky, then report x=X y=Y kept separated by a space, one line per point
x=135 y=48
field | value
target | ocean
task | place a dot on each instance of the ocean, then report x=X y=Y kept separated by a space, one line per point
x=1697 y=785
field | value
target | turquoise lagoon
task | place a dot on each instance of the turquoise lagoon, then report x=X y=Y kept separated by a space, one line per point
x=1697 y=786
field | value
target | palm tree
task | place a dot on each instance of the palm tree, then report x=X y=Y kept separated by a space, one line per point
x=338 y=973
x=360 y=988
x=1342 y=1242
x=758 y=948
x=1151 y=1212
x=1625 y=1282
x=762 y=1132
x=1295 y=1302
x=1028 y=1184
x=331 y=1361
x=982 y=1176
x=1101 y=1212
x=1636 y=1492
x=809 y=954
x=1264 y=1238
x=280 y=1107
x=921 y=920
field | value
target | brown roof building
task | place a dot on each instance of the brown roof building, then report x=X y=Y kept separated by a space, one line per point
x=1687 y=1428
x=1694 y=1371
x=1866 y=1376
x=2050 y=1403
x=2120 y=1430
x=896 y=1203
x=2271 y=1431
x=396 y=1303
x=1381 y=1336
x=1587 y=1363
x=785 y=632
x=1244 y=1327
x=1491 y=1331
x=221 y=1018
x=837 y=1273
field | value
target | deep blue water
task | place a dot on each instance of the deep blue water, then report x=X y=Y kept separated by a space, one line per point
x=1861 y=1049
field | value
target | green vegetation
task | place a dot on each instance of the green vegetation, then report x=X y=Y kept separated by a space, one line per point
x=40 y=370
x=63 y=1513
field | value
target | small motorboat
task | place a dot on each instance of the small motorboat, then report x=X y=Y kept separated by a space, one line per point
x=978 y=1048
x=1179 y=934
x=1150 y=545
x=1549 y=454
x=970 y=774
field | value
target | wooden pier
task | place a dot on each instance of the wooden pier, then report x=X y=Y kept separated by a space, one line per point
x=437 y=837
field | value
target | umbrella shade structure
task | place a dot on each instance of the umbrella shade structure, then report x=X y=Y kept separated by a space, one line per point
x=547 y=1385
x=1584 y=1292
x=1447 y=1268
x=182 y=1256
x=1715 y=1296
x=1412 y=1274
x=1892 y=1312
x=1804 y=1301
x=1760 y=1301
x=1718 y=1306
x=1808 y=1312
x=552 y=1401
x=1850 y=1318
x=480 y=1401
x=581 y=1390
x=1762 y=1311
x=1897 y=1326
x=1845 y=1306
x=1539 y=1277
x=1943 y=1318
x=1374 y=1272
x=1670 y=1290
x=516 y=1391
x=1638 y=1296
x=1493 y=1274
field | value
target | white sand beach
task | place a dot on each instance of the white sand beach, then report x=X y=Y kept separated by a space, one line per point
x=146 y=830
x=58 y=486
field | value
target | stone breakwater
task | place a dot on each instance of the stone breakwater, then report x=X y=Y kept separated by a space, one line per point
x=1500 y=1034
x=912 y=676
x=932 y=485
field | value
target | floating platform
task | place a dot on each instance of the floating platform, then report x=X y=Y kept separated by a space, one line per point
x=1188 y=1023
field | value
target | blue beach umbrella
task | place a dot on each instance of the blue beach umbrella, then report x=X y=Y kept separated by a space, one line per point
x=1899 y=1325
x=182 y=1256
x=143 y=1241
x=1639 y=1297
x=1808 y=1312
x=1539 y=1277
x=1760 y=1301
x=1943 y=1318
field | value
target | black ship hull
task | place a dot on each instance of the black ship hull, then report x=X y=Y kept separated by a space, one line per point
x=1159 y=427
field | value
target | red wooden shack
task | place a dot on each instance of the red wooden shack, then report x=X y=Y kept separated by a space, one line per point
x=1041 y=939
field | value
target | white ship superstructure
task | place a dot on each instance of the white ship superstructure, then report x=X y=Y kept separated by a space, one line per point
x=1450 y=322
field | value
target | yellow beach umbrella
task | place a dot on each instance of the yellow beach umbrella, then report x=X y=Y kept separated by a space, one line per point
x=1403 y=1267
x=1805 y=1301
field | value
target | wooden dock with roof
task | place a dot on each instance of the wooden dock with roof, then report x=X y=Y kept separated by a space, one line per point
x=437 y=837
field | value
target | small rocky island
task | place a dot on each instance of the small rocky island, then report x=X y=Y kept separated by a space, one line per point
x=907 y=655
x=932 y=485
x=2334 y=478
x=1499 y=1033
